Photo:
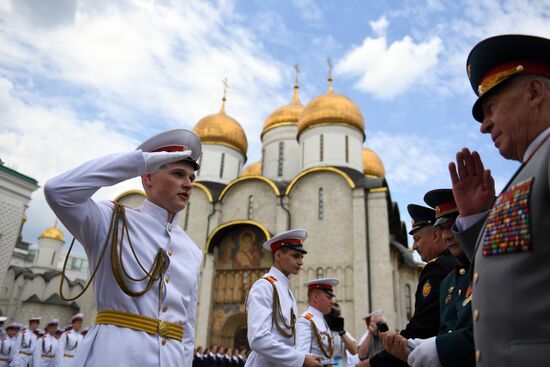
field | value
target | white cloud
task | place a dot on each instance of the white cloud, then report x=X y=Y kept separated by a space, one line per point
x=380 y=26
x=309 y=10
x=388 y=70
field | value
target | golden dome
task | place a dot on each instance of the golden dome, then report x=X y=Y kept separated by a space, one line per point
x=223 y=129
x=331 y=108
x=54 y=233
x=286 y=115
x=253 y=169
x=372 y=164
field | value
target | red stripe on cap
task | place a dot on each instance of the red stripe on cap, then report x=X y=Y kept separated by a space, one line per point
x=504 y=71
x=172 y=148
x=292 y=241
x=326 y=287
x=445 y=208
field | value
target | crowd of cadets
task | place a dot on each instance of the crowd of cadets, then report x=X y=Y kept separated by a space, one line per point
x=219 y=357
x=30 y=346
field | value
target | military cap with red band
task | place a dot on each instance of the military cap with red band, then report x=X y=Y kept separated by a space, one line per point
x=495 y=60
x=421 y=217
x=443 y=201
x=325 y=284
x=176 y=140
x=293 y=239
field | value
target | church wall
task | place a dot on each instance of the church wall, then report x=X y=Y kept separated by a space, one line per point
x=334 y=152
x=291 y=150
x=211 y=163
x=330 y=240
x=264 y=203
x=379 y=244
x=194 y=218
x=15 y=194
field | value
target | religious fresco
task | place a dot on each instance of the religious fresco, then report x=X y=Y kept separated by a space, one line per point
x=239 y=260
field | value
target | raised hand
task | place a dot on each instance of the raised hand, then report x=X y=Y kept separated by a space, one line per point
x=473 y=185
x=155 y=160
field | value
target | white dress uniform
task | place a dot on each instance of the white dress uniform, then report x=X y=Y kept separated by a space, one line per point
x=26 y=341
x=67 y=348
x=306 y=339
x=69 y=195
x=44 y=352
x=269 y=347
x=8 y=351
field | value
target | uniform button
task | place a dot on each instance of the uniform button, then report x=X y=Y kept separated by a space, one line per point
x=476 y=314
x=450 y=331
x=168 y=279
x=163 y=341
x=476 y=277
x=459 y=292
x=462 y=271
x=164 y=308
x=478 y=356
x=169 y=227
x=170 y=252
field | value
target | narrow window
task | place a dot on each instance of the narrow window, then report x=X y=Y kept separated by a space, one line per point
x=347 y=149
x=321 y=147
x=303 y=148
x=239 y=169
x=186 y=222
x=53 y=257
x=320 y=273
x=321 y=203
x=221 y=165
x=281 y=152
x=250 y=207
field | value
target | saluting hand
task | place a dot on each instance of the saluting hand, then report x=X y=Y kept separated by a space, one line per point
x=155 y=160
x=396 y=345
x=473 y=185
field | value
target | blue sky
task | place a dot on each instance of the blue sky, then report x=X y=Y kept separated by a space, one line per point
x=80 y=79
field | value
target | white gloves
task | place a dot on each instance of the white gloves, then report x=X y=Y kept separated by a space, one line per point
x=425 y=354
x=154 y=161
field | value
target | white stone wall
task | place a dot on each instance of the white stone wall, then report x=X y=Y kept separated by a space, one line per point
x=211 y=162
x=334 y=152
x=194 y=218
x=15 y=194
x=264 y=203
x=49 y=253
x=291 y=153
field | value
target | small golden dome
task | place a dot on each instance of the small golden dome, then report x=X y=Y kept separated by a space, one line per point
x=372 y=164
x=286 y=115
x=223 y=129
x=331 y=108
x=253 y=169
x=54 y=233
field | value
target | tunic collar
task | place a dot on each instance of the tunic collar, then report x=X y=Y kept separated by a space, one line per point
x=535 y=144
x=279 y=275
x=315 y=312
x=159 y=213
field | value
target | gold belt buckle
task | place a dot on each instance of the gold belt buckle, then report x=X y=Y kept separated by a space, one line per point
x=163 y=329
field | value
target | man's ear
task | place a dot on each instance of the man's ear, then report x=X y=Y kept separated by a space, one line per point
x=536 y=92
x=147 y=180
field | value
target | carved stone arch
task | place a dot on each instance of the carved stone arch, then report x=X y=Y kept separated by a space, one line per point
x=231 y=328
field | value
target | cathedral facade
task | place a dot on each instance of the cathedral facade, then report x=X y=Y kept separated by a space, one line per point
x=315 y=173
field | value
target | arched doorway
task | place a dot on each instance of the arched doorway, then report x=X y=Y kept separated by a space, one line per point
x=239 y=260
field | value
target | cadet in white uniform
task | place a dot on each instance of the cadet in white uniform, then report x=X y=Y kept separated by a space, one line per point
x=8 y=345
x=147 y=302
x=26 y=341
x=69 y=342
x=46 y=346
x=314 y=335
x=272 y=310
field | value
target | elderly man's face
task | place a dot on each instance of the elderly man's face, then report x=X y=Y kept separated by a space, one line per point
x=505 y=117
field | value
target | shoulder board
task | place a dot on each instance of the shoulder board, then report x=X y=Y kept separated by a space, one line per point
x=308 y=316
x=270 y=278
